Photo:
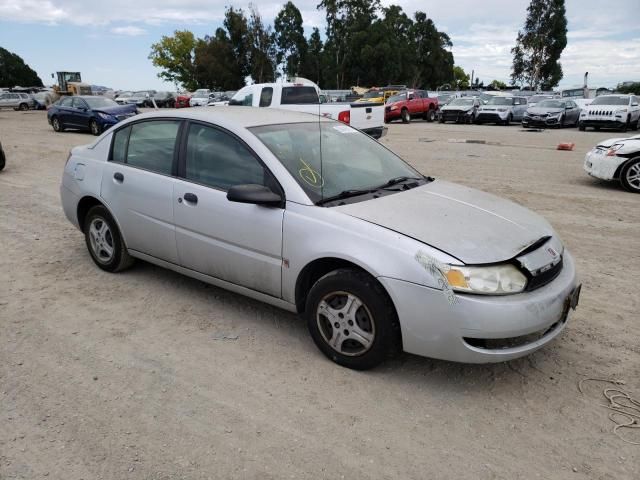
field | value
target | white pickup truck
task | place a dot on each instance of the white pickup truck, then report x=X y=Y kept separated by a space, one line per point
x=304 y=97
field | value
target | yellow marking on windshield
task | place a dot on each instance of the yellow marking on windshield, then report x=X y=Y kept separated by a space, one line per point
x=311 y=176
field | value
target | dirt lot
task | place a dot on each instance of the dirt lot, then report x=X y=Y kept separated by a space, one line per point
x=151 y=375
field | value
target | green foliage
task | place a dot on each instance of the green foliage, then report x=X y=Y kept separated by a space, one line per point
x=366 y=44
x=175 y=57
x=498 y=85
x=14 y=72
x=631 y=87
x=460 y=78
x=289 y=39
x=539 y=45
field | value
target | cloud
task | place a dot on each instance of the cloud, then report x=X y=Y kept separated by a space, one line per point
x=130 y=30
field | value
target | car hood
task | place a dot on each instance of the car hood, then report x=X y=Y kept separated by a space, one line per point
x=543 y=110
x=635 y=140
x=458 y=107
x=473 y=226
x=116 y=110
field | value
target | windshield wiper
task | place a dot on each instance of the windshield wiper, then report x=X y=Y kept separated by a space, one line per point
x=397 y=180
x=345 y=194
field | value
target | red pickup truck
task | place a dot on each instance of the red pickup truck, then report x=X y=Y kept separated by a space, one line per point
x=411 y=104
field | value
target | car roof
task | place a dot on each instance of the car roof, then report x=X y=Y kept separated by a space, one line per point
x=241 y=116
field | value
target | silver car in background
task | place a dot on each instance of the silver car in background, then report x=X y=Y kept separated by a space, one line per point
x=16 y=100
x=313 y=216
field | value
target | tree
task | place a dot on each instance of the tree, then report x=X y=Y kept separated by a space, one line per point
x=434 y=62
x=237 y=27
x=629 y=87
x=460 y=78
x=175 y=56
x=539 y=45
x=498 y=85
x=14 y=72
x=262 y=51
x=216 y=64
x=289 y=38
x=312 y=64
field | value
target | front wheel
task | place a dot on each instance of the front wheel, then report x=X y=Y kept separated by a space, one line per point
x=431 y=115
x=406 y=117
x=57 y=126
x=352 y=319
x=104 y=242
x=508 y=120
x=630 y=176
x=626 y=125
x=95 y=128
x=581 y=126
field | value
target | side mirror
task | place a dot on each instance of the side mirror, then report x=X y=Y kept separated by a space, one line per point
x=255 y=194
x=634 y=104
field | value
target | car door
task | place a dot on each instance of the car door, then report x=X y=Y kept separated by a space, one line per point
x=236 y=242
x=64 y=110
x=572 y=113
x=80 y=112
x=519 y=106
x=137 y=185
x=4 y=100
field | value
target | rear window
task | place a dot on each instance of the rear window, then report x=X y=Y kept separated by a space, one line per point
x=299 y=96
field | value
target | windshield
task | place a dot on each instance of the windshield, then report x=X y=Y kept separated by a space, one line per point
x=551 y=104
x=140 y=95
x=397 y=98
x=373 y=95
x=611 y=100
x=539 y=98
x=350 y=159
x=200 y=95
x=499 y=101
x=100 y=102
x=462 y=102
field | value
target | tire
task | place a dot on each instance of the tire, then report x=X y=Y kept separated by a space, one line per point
x=95 y=128
x=581 y=127
x=441 y=119
x=634 y=127
x=626 y=125
x=2 y=158
x=366 y=336
x=561 y=122
x=406 y=117
x=508 y=121
x=630 y=175
x=471 y=119
x=100 y=240
x=431 y=115
x=23 y=107
x=57 y=124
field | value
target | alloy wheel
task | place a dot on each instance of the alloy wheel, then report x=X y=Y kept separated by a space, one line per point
x=632 y=176
x=101 y=240
x=345 y=323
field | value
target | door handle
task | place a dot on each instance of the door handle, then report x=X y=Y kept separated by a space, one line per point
x=118 y=177
x=191 y=198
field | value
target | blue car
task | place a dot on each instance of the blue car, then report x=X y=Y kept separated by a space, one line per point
x=95 y=114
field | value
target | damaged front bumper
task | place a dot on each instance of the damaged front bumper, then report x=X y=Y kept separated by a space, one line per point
x=479 y=328
x=600 y=165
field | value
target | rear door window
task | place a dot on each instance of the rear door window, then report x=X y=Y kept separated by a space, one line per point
x=151 y=145
x=265 y=96
x=299 y=96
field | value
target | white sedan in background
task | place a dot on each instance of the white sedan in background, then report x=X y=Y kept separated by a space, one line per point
x=315 y=217
x=616 y=159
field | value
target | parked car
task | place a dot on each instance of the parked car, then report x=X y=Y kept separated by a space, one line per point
x=616 y=159
x=141 y=99
x=411 y=104
x=460 y=110
x=502 y=110
x=42 y=100
x=200 y=98
x=304 y=96
x=611 y=111
x=123 y=97
x=95 y=114
x=535 y=99
x=183 y=100
x=3 y=158
x=375 y=256
x=17 y=101
x=165 y=99
x=552 y=113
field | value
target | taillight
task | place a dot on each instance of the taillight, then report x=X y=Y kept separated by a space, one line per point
x=344 y=117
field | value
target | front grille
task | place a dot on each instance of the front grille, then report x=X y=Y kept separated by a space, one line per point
x=544 y=278
x=514 y=342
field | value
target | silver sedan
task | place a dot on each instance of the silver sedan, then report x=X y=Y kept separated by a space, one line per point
x=315 y=217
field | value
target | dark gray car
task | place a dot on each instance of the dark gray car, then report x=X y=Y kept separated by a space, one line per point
x=552 y=113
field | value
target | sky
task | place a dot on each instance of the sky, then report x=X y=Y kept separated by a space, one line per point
x=109 y=42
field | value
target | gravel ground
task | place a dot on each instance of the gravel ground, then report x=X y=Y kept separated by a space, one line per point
x=151 y=375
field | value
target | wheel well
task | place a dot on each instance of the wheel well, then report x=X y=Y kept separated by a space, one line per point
x=618 y=171
x=85 y=204
x=315 y=270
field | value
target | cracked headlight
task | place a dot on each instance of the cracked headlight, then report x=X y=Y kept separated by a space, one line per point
x=490 y=280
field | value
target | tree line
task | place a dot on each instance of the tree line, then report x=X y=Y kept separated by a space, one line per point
x=14 y=72
x=364 y=44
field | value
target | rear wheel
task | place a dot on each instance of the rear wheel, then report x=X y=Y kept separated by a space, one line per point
x=406 y=117
x=57 y=126
x=630 y=176
x=23 y=107
x=352 y=319
x=431 y=115
x=104 y=242
x=95 y=128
